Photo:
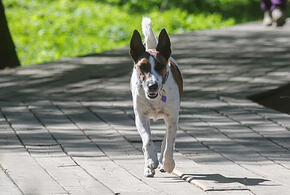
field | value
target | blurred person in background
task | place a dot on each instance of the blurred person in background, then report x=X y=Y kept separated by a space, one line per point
x=274 y=12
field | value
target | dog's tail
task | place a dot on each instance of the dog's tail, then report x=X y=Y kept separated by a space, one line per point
x=150 y=39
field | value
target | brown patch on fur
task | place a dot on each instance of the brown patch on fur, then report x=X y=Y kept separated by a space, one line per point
x=177 y=77
x=160 y=62
x=143 y=68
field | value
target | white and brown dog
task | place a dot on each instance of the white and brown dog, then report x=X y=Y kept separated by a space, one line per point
x=156 y=86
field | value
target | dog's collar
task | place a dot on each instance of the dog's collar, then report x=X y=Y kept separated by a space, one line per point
x=165 y=78
x=163 y=93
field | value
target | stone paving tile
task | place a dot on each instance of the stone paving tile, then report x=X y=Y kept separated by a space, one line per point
x=72 y=177
x=6 y=184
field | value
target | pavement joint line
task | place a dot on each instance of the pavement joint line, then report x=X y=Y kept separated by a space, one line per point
x=46 y=171
x=221 y=154
x=18 y=138
x=63 y=150
x=273 y=160
x=5 y=171
x=105 y=155
x=259 y=153
x=14 y=131
x=249 y=127
x=110 y=125
x=34 y=159
x=269 y=119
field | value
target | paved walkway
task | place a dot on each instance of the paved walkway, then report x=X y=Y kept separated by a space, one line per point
x=66 y=127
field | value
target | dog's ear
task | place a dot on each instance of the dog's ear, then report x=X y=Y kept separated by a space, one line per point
x=136 y=46
x=164 y=45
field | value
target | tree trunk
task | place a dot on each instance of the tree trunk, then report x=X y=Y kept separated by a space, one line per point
x=8 y=55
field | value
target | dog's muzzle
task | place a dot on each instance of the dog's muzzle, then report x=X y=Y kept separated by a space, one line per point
x=152 y=90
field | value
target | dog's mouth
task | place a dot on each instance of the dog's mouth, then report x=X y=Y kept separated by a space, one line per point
x=152 y=95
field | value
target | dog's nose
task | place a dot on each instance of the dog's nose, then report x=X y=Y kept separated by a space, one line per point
x=153 y=87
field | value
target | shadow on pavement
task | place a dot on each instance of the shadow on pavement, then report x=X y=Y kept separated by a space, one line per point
x=277 y=99
x=222 y=179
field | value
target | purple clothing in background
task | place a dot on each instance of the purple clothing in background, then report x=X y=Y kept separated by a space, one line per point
x=273 y=4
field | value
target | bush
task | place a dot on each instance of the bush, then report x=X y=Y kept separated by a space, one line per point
x=45 y=30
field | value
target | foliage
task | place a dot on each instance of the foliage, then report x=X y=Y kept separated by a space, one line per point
x=44 y=30
x=240 y=10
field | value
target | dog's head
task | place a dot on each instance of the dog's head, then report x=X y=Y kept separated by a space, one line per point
x=151 y=65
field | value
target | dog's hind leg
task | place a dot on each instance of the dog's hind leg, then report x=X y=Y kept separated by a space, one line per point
x=161 y=168
x=150 y=155
x=167 y=161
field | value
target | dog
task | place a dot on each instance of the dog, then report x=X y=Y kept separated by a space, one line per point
x=156 y=86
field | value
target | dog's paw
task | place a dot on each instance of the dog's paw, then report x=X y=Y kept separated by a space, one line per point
x=168 y=165
x=152 y=164
x=149 y=172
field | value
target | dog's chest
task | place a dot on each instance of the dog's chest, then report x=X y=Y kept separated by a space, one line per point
x=154 y=109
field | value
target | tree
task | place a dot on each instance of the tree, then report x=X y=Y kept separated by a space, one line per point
x=8 y=55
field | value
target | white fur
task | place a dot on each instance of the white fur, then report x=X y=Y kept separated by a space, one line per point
x=146 y=109
x=150 y=39
x=154 y=78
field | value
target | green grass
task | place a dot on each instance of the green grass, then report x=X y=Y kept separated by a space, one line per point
x=45 y=30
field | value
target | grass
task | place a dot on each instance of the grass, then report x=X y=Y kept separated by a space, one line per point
x=45 y=30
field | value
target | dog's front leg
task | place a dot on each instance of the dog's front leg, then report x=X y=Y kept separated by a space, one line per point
x=150 y=155
x=168 y=144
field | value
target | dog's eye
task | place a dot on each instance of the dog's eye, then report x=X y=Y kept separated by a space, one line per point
x=158 y=66
x=144 y=68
